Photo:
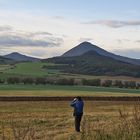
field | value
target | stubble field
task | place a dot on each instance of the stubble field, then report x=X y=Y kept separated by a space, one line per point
x=53 y=120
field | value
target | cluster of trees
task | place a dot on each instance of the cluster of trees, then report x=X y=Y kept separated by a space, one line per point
x=2 y=81
x=91 y=82
x=111 y=83
x=38 y=80
x=71 y=81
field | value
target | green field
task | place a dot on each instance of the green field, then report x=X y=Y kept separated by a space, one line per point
x=55 y=90
x=26 y=69
x=4 y=67
x=36 y=70
x=29 y=68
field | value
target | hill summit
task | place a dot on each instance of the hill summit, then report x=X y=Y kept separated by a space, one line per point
x=87 y=46
x=81 y=49
x=20 y=57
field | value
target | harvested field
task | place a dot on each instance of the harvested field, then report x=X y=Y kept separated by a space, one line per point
x=53 y=120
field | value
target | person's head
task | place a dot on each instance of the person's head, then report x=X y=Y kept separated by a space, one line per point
x=78 y=98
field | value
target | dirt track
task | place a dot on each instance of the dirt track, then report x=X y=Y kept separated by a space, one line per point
x=64 y=98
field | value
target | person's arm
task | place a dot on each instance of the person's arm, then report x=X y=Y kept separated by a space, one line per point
x=73 y=102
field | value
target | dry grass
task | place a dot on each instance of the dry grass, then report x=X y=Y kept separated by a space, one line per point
x=54 y=121
x=63 y=93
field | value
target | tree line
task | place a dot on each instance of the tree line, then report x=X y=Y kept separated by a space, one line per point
x=111 y=83
x=37 y=81
x=71 y=81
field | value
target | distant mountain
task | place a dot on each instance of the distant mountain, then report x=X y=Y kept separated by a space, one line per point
x=89 y=59
x=86 y=46
x=4 y=60
x=20 y=57
x=93 y=63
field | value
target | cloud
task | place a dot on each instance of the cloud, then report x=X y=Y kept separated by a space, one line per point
x=33 y=34
x=43 y=52
x=137 y=41
x=58 y=17
x=132 y=53
x=115 y=23
x=5 y=28
x=14 y=38
x=38 y=34
x=123 y=40
x=85 y=39
x=119 y=41
x=21 y=41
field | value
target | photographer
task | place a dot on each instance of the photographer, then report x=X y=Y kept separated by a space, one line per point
x=78 y=105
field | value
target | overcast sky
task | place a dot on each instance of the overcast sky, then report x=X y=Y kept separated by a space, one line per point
x=46 y=28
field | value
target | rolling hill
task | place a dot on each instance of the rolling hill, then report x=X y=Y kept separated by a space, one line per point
x=4 y=60
x=86 y=46
x=92 y=60
x=20 y=57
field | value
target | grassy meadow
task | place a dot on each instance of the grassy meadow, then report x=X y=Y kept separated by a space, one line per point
x=23 y=69
x=56 y=90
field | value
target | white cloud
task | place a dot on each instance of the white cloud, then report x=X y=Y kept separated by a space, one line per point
x=13 y=41
x=85 y=39
x=5 y=28
x=24 y=38
x=132 y=53
x=115 y=23
x=137 y=41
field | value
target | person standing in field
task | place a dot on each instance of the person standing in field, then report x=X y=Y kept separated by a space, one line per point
x=78 y=105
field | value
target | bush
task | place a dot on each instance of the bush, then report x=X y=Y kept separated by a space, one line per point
x=138 y=86
x=2 y=81
x=40 y=80
x=130 y=84
x=107 y=83
x=118 y=84
x=50 y=81
x=91 y=82
x=13 y=80
x=28 y=80
x=65 y=81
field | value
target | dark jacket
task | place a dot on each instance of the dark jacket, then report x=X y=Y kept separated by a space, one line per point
x=78 y=107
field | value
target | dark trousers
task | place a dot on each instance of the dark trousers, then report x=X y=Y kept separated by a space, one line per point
x=77 y=123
